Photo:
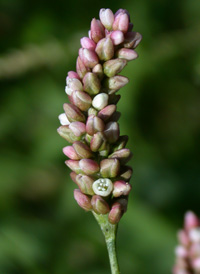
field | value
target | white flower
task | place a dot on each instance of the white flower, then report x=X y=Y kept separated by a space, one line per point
x=102 y=187
x=100 y=101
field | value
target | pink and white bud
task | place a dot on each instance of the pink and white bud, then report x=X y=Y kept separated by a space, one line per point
x=97 y=31
x=121 y=188
x=132 y=39
x=181 y=251
x=98 y=142
x=116 y=82
x=73 y=74
x=105 y=49
x=109 y=168
x=70 y=152
x=84 y=183
x=123 y=155
x=89 y=57
x=67 y=134
x=107 y=18
x=115 y=214
x=103 y=187
x=81 y=99
x=81 y=68
x=92 y=84
x=107 y=112
x=73 y=176
x=73 y=113
x=88 y=166
x=111 y=132
x=83 y=200
x=74 y=166
x=114 y=66
x=117 y=37
x=127 y=54
x=191 y=220
x=82 y=150
x=73 y=84
x=88 y=43
x=121 y=21
x=98 y=70
x=94 y=124
x=126 y=173
x=100 y=206
x=194 y=235
x=77 y=128
x=63 y=119
x=100 y=101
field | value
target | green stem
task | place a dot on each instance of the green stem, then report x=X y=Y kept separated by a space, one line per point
x=109 y=231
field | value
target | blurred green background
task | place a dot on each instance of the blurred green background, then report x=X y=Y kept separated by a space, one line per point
x=42 y=230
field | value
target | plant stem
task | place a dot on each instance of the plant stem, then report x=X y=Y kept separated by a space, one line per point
x=109 y=231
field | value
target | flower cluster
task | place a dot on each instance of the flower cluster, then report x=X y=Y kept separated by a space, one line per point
x=98 y=156
x=188 y=250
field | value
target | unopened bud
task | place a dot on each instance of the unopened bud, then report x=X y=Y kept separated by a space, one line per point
x=70 y=152
x=121 y=142
x=89 y=166
x=84 y=183
x=63 y=119
x=109 y=168
x=94 y=124
x=117 y=37
x=82 y=200
x=132 y=39
x=73 y=74
x=73 y=176
x=97 y=31
x=113 y=67
x=123 y=155
x=191 y=220
x=73 y=113
x=81 y=99
x=82 y=150
x=107 y=18
x=98 y=142
x=89 y=57
x=73 y=84
x=107 y=112
x=116 y=82
x=78 y=128
x=81 y=68
x=121 y=188
x=194 y=235
x=127 y=54
x=121 y=21
x=100 y=101
x=103 y=187
x=111 y=132
x=98 y=70
x=91 y=83
x=115 y=213
x=100 y=206
x=88 y=43
x=105 y=49
x=74 y=166
x=88 y=138
x=126 y=173
x=67 y=134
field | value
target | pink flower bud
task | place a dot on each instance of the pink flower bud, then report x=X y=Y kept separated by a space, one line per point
x=114 y=66
x=191 y=220
x=126 y=173
x=81 y=99
x=82 y=150
x=91 y=83
x=100 y=101
x=73 y=74
x=88 y=166
x=111 y=132
x=116 y=82
x=123 y=155
x=127 y=54
x=73 y=113
x=97 y=31
x=73 y=84
x=74 y=166
x=81 y=68
x=94 y=124
x=88 y=43
x=67 y=134
x=115 y=214
x=181 y=251
x=100 y=206
x=121 y=188
x=132 y=39
x=84 y=183
x=107 y=18
x=73 y=176
x=89 y=57
x=107 y=112
x=98 y=142
x=121 y=21
x=109 y=168
x=117 y=37
x=82 y=200
x=77 y=128
x=98 y=70
x=70 y=152
x=105 y=49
